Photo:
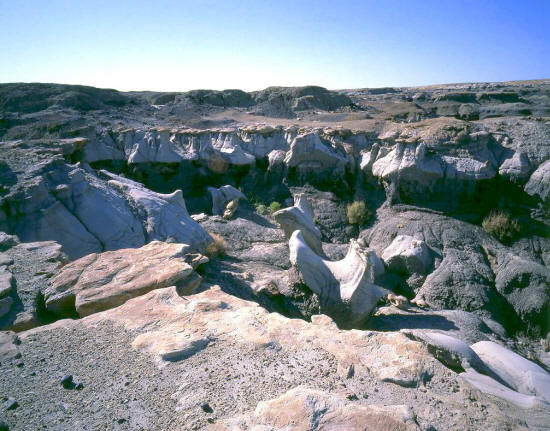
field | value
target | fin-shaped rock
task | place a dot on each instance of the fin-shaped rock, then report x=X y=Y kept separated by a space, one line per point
x=300 y=217
x=345 y=287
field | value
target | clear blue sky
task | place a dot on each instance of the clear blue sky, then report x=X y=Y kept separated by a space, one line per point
x=251 y=44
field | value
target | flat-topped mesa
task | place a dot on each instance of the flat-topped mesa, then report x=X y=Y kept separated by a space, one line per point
x=300 y=217
x=346 y=287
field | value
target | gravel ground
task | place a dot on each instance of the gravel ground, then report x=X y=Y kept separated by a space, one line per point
x=125 y=389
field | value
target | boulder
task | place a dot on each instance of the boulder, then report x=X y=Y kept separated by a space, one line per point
x=408 y=254
x=300 y=217
x=164 y=216
x=515 y=371
x=224 y=196
x=539 y=182
x=346 y=287
x=101 y=281
x=516 y=168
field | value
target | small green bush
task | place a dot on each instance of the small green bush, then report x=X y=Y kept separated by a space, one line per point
x=274 y=206
x=501 y=226
x=357 y=213
x=262 y=209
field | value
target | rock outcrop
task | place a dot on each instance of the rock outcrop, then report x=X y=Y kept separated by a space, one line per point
x=223 y=197
x=407 y=254
x=25 y=271
x=101 y=281
x=303 y=408
x=345 y=288
x=70 y=204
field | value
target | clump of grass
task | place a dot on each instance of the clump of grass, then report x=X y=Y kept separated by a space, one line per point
x=274 y=206
x=358 y=213
x=217 y=247
x=500 y=225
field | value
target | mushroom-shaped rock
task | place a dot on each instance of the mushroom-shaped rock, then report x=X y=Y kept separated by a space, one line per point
x=300 y=217
x=223 y=196
x=408 y=254
x=345 y=288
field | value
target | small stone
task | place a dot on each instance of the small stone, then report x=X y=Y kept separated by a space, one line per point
x=206 y=407
x=79 y=386
x=19 y=364
x=11 y=404
x=120 y=421
x=67 y=381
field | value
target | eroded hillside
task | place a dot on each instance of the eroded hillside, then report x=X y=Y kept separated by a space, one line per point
x=293 y=258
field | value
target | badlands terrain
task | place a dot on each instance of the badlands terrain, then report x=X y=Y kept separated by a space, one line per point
x=286 y=259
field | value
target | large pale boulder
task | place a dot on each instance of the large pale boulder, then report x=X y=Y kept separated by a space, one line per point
x=101 y=281
x=302 y=408
x=300 y=217
x=408 y=254
x=164 y=216
x=518 y=373
x=346 y=287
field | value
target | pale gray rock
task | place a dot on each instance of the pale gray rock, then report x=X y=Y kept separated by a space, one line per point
x=520 y=374
x=300 y=217
x=309 y=154
x=6 y=279
x=164 y=216
x=32 y=266
x=408 y=254
x=488 y=385
x=516 y=168
x=539 y=182
x=8 y=346
x=346 y=287
x=451 y=351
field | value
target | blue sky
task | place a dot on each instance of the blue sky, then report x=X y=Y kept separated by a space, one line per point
x=251 y=44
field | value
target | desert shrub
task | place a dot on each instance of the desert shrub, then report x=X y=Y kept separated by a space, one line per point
x=500 y=225
x=274 y=206
x=217 y=247
x=357 y=213
x=261 y=209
